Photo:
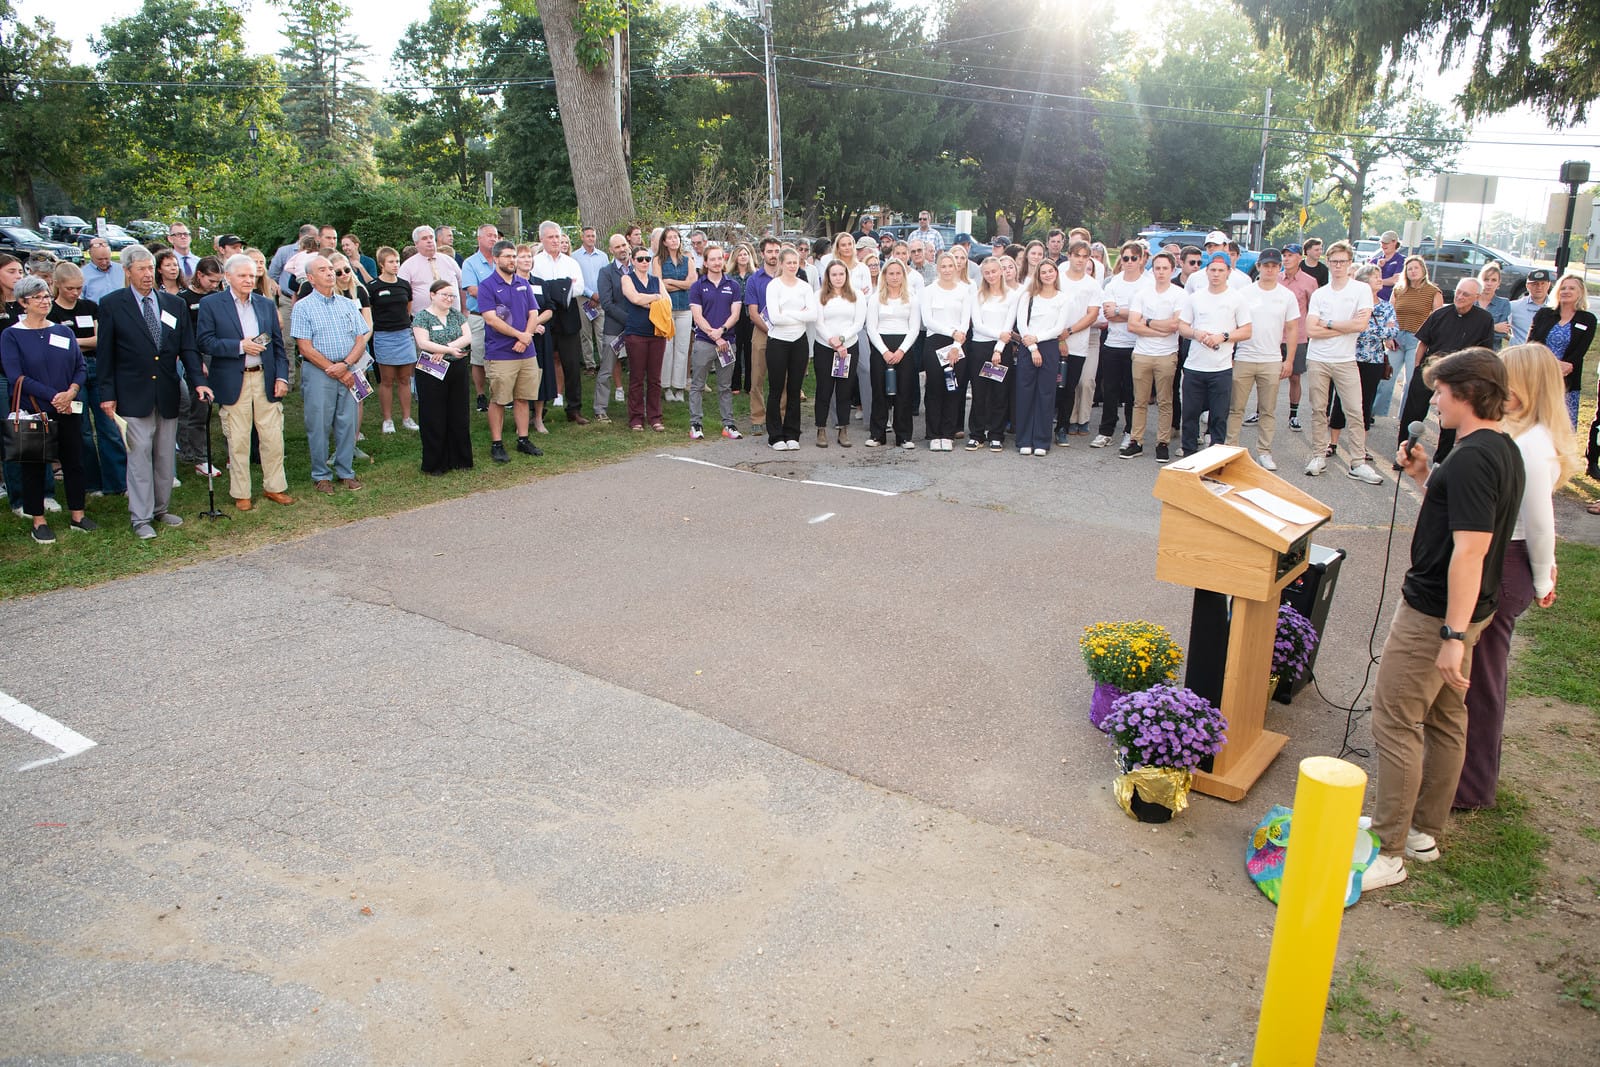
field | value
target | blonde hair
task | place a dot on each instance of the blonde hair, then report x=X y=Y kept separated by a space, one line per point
x=1583 y=292
x=1403 y=281
x=854 y=257
x=984 y=289
x=883 y=282
x=1533 y=377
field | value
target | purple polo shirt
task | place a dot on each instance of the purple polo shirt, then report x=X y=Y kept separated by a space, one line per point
x=715 y=302
x=515 y=303
x=755 y=291
x=1390 y=269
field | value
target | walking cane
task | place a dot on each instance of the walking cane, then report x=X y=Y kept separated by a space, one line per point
x=211 y=511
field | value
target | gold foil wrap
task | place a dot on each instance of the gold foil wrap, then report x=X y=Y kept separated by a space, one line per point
x=1167 y=786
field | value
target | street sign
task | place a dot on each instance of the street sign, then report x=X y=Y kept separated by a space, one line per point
x=1303 y=218
x=1264 y=198
x=1464 y=188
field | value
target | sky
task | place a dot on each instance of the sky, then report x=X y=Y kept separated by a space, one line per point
x=1518 y=147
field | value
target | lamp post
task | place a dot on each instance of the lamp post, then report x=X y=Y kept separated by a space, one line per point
x=255 y=133
x=1574 y=172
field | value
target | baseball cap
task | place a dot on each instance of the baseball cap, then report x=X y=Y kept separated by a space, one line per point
x=1216 y=237
x=1294 y=247
x=1270 y=255
x=1212 y=257
x=963 y=239
x=1540 y=275
x=230 y=239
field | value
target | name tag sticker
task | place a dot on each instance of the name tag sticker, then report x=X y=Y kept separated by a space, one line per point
x=538 y=290
x=85 y=321
x=57 y=341
x=1580 y=326
x=168 y=321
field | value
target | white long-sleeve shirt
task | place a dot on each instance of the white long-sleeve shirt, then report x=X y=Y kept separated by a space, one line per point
x=839 y=317
x=1536 y=520
x=790 y=309
x=946 y=312
x=993 y=315
x=1044 y=317
x=896 y=317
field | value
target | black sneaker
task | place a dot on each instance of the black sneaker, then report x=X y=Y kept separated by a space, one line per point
x=1131 y=449
x=1162 y=453
x=497 y=452
x=44 y=535
x=85 y=525
x=1061 y=436
x=483 y=403
x=528 y=448
x=973 y=444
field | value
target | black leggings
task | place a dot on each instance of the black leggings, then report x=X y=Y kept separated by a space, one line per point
x=905 y=395
x=786 y=374
x=829 y=388
x=939 y=405
x=990 y=398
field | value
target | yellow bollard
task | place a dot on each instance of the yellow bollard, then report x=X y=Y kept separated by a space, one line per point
x=1316 y=874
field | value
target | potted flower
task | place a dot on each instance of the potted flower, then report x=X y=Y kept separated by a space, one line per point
x=1292 y=647
x=1125 y=657
x=1159 y=736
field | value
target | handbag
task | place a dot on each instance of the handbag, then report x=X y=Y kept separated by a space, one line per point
x=661 y=317
x=29 y=439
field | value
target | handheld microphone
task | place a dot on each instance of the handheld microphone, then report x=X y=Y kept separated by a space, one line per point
x=1413 y=435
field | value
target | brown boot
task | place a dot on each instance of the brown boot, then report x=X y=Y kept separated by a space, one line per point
x=822 y=437
x=844 y=437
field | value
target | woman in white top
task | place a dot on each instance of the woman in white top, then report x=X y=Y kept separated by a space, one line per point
x=1041 y=319
x=994 y=313
x=844 y=251
x=840 y=316
x=946 y=315
x=791 y=307
x=1536 y=416
x=894 y=318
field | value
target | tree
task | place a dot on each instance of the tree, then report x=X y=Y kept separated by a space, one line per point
x=1420 y=135
x=41 y=96
x=187 y=92
x=444 y=121
x=530 y=160
x=1546 y=55
x=1029 y=132
x=325 y=106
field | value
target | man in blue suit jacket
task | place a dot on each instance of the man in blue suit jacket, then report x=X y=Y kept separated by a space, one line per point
x=144 y=332
x=239 y=330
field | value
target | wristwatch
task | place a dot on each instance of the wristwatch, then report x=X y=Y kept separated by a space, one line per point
x=1227 y=335
x=1447 y=634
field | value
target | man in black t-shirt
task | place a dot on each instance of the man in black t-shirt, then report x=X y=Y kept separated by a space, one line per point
x=1458 y=325
x=1469 y=509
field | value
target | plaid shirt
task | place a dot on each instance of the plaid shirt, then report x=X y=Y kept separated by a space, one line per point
x=331 y=323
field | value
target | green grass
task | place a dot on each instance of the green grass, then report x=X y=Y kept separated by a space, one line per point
x=1581 y=988
x=1493 y=859
x=1352 y=1011
x=394 y=483
x=1560 y=656
x=1471 y=978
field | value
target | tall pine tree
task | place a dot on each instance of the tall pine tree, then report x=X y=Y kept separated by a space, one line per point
x=326 y=107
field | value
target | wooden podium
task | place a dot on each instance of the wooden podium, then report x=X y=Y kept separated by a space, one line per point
x=1229 y=527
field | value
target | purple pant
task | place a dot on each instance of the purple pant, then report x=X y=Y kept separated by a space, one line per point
x=1486 y=696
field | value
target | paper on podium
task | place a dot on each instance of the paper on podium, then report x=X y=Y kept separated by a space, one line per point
x=1274 y=504
x=1258 y=516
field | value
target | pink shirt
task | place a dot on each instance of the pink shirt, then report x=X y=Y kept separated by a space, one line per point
x=1302 y=285
x=421 y=272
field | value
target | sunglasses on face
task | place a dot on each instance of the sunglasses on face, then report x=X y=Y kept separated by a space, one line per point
x=641 y=259
x=342 y=271
x=1130 y=259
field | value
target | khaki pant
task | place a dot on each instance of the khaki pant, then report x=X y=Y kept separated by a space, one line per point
x=1345 y=378
x=1419 y=726
x=1156 y=371
x=254 y=410
x=758 y=376
x=592 y=335
x=1263 y=378
x=1083 y=403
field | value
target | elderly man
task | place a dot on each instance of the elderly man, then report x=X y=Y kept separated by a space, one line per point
x=427 y=267
x=144 y=333
x=239 y=331
x=558 y=283
x=331 y=337
x=474 y=270
x=591 y=261
x=102 y=275
x=43 y=265
x=1459 y=325
x=1525 y=307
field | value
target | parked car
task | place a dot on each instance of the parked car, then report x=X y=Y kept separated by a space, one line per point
x=145 y=229
x=1455 y=260
x=115 y=236
x=903 y=230
x=1156 y=238
x=22 y=243
x=63 y=228
x=1366 y=248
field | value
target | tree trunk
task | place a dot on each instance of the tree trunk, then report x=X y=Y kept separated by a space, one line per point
x=588 y=123
x=27 y=199
x=1358 y=197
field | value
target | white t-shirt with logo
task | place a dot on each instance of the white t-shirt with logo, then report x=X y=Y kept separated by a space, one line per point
x=1336 y=305
x=1210 y=312
x=1154 y=306
x=1270 y=311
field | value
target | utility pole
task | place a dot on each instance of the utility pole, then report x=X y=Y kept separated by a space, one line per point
x=774 y=127
x=621 y=59
x=1258 y=207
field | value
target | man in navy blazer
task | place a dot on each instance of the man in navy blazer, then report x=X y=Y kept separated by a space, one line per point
x=144 y=332
x=239 y=330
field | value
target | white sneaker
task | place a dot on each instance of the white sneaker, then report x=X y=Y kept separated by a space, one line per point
x=1384 y=871
x=1267 y=463
x=206 y=470
x=909 y=446
x=51 y=504
x=388 y=426
x=1100 y=441
x=410 y=424
x=874 y=444
x=780 y=446
x=558 y=402
x=792 y=446
x=1024 y=451
x=732 y=433
x=1317 y=465
x=1364 y=472
x=620 y=398
x=1127 y=439
x=175 y=483
x=696 y=434
x=1420 y=846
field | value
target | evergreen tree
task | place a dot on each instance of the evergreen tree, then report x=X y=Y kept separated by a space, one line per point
x=326 y=108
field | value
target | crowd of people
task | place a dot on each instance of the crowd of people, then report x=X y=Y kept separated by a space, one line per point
x=128 y=356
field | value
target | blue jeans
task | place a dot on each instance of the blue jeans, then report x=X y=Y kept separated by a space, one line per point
x=329 y=408
x=1206 y=390
x=1402 y=359
x=105 y=457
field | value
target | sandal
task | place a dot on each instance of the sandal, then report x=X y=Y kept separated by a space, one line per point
x=1593 y=508
x=658 y=427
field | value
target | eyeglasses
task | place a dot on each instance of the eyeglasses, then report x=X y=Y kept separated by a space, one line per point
x=40 y=295
x=1338 y=262
x=1130 y=259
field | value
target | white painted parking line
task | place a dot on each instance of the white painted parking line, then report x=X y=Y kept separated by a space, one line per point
x=46 y=729
x=759 y=474
x=824 y=517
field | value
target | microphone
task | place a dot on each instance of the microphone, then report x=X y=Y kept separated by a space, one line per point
x=1413 y=435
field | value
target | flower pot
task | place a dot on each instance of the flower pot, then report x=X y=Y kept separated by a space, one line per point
x=1153 y=794
x=1100 y=703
